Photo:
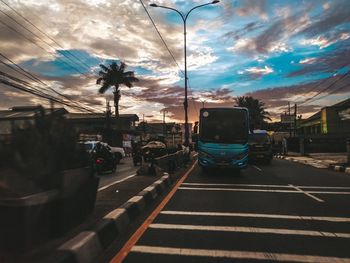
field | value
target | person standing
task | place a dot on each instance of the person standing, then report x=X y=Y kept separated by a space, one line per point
x=284 y=146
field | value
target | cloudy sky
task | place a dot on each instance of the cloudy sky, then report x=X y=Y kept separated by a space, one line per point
x=277 y=51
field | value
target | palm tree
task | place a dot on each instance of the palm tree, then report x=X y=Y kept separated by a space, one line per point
x=113 y=76
x=257 y=113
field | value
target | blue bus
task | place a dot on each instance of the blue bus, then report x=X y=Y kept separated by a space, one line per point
x=223 y=138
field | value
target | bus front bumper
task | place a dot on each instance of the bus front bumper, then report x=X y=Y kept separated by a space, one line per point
x=210 y=163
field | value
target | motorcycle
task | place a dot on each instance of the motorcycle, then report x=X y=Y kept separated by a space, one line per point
x=104 y=160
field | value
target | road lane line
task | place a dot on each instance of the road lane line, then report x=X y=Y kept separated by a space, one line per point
x=329 y=192
x=324 y=187
x=236 y=254
x=224 y=214
x=253 y=185
x=253 y=230
x=271 y=185
x=237 y=190
x=256 y=167
x=115 y=182
x=307 y=194
x=140 y=231
x=259 y=190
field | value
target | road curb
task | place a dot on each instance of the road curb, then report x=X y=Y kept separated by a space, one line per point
x=88 y=245
x=337 y=168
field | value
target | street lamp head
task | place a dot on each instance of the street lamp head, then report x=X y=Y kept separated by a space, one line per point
x=154 y=5
x=215 y=2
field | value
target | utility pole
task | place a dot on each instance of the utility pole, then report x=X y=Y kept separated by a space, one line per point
x=51 y=106
x=108 y=120
x=184 y=20
x=289 y=120
x=295 y=119
x=164 y=124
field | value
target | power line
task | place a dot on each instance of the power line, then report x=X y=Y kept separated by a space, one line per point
x=325 y=89
x=159 y=34
x=332 y=92
x=34 y=78
x=53 y=40
x=33 y=42
x=38 y=94
x=34 y=91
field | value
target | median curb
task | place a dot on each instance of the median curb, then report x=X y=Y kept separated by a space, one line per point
x=317 y=164
x=88 y=245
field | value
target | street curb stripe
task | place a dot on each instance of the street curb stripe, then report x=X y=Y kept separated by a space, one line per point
x=254 y=230
x=224 y=214
x=238 y=254
x=140 y=231
x=85 y=247
x=120 y=217
x=106 y=230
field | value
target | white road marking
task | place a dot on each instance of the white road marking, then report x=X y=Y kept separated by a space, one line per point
x=324 y=187
x=224 y=214
x=254 y=230
x=307 y=194
x=256 y=167
x=252 y=185
x=259 y=190
x=115 y=182
x=271 y=185
x=329 y=192
x=234 y=254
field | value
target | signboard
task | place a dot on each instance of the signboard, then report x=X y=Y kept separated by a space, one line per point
x=344 y=114
x=285 y=118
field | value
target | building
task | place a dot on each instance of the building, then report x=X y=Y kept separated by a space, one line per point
x=87 y=125
x=331 y=120
x=23 y=116
x=115 y=130
x=171 y=133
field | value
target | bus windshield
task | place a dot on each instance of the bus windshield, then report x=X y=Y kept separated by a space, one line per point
x=224 y=126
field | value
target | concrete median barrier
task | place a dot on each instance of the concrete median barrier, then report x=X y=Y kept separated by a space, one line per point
x=88 y=245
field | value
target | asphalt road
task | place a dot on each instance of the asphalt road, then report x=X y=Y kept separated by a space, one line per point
x=284 y=212
x=125 y=170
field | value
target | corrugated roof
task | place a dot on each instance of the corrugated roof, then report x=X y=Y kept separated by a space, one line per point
x=133 y=117
x=26 y=112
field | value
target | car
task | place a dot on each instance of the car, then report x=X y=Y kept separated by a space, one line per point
x=118 y=152
x=260 y=147
x=153 y=149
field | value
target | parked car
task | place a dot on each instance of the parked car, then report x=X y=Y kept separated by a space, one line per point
x=260 y=147
x=153 y=149
x=118 y=152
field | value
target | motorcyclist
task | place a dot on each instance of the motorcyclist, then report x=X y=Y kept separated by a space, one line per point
x=137 y=153
x=101 y=151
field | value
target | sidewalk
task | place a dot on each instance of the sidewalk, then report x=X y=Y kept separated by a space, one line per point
x=334 y=161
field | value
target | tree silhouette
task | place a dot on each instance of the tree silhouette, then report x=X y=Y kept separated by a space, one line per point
x=115 y=75
x=257 y=113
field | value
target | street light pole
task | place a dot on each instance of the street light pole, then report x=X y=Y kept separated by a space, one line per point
x=184 y=19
